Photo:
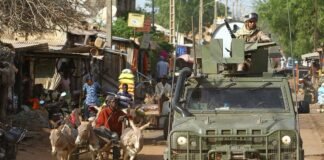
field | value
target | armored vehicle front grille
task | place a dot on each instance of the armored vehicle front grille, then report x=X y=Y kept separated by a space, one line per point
x=234 y=144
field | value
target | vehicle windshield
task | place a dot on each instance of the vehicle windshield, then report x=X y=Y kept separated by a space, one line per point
x=235 y=99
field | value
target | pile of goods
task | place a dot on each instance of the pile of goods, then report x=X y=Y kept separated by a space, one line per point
x=127 y=77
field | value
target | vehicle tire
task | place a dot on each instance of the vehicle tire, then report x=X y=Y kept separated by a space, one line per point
x=303 y=107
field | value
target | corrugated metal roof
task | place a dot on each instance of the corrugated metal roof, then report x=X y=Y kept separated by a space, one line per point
x=109 y=50
x=104 y=36
x=79 y=31
x=52 y=45
x=101 y=34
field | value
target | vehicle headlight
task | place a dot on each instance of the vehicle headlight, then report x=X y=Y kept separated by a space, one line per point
x=286 y=140
x=182 y=140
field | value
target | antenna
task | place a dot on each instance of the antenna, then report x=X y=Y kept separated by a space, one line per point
x=293 y=72
x=194 y=45
x=201 y=14
x=226 y=4
x=173 y=79
x=172 y=21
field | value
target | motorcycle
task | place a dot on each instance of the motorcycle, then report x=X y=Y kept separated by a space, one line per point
x=9 y=139
x=56 y=110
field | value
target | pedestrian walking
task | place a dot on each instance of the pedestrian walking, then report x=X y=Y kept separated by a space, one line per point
x=320 y=98
x=90 y=91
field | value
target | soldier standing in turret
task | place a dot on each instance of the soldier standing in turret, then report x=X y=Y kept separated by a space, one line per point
x=249 y=32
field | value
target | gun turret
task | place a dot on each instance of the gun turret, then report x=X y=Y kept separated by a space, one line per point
x=226 y=55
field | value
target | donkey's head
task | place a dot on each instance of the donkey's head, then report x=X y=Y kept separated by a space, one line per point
x=56 y=138
x=84 y=133
x=53 y=138
x=135 y=138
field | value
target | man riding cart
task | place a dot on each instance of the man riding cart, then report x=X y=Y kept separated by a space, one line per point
x=109 y=123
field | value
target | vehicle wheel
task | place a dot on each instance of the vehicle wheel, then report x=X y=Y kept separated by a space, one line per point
x=303 y=107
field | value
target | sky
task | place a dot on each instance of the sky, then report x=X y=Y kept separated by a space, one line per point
x=247 y=4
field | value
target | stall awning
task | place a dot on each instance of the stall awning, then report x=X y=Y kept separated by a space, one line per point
x=314 y=55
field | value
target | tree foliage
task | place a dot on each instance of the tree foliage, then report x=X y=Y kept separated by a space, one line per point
x=185 y=9
x=36 y=16
x=120 y=28
x=306 y=21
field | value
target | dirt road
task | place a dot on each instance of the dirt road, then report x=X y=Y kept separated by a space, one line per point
x=311 y=129
x=38 y=147
x=312 y=133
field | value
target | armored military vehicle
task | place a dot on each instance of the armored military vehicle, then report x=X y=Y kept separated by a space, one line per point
x=224 y=112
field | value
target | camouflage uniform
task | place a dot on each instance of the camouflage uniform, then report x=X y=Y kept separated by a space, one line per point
x=252 y=35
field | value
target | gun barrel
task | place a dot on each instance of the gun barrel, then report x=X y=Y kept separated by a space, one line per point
x=229 y=29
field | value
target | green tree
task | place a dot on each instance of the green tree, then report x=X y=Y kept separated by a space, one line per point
x=120 y=28
x=306 y=21
x=185 y=9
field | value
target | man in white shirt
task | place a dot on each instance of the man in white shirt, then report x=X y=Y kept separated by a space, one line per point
x=162 y=91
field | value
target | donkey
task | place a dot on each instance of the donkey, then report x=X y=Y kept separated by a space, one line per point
x=132 y=140
x=86 y=135
x=62 y=141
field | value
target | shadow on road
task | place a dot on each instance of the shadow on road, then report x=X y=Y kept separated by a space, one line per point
x=150 y=157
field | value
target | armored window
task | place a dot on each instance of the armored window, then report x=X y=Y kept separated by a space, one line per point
x=235 y=98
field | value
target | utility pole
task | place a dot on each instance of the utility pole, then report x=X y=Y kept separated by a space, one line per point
x=108 y=23
x=237 y=10
x=171 y=23
x=233 y=10
x=153 y=14
x=316 y=25
x=226 y=4
x=241 y=11
x=215 y=12
x=201 y=11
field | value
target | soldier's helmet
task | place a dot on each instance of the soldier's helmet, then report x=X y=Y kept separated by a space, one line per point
x=251 y=16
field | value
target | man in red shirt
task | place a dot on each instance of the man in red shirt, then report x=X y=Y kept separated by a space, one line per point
x=110 y=122
x=111 y=116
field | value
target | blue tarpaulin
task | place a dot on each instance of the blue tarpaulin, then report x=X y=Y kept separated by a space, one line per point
x=181 y=50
